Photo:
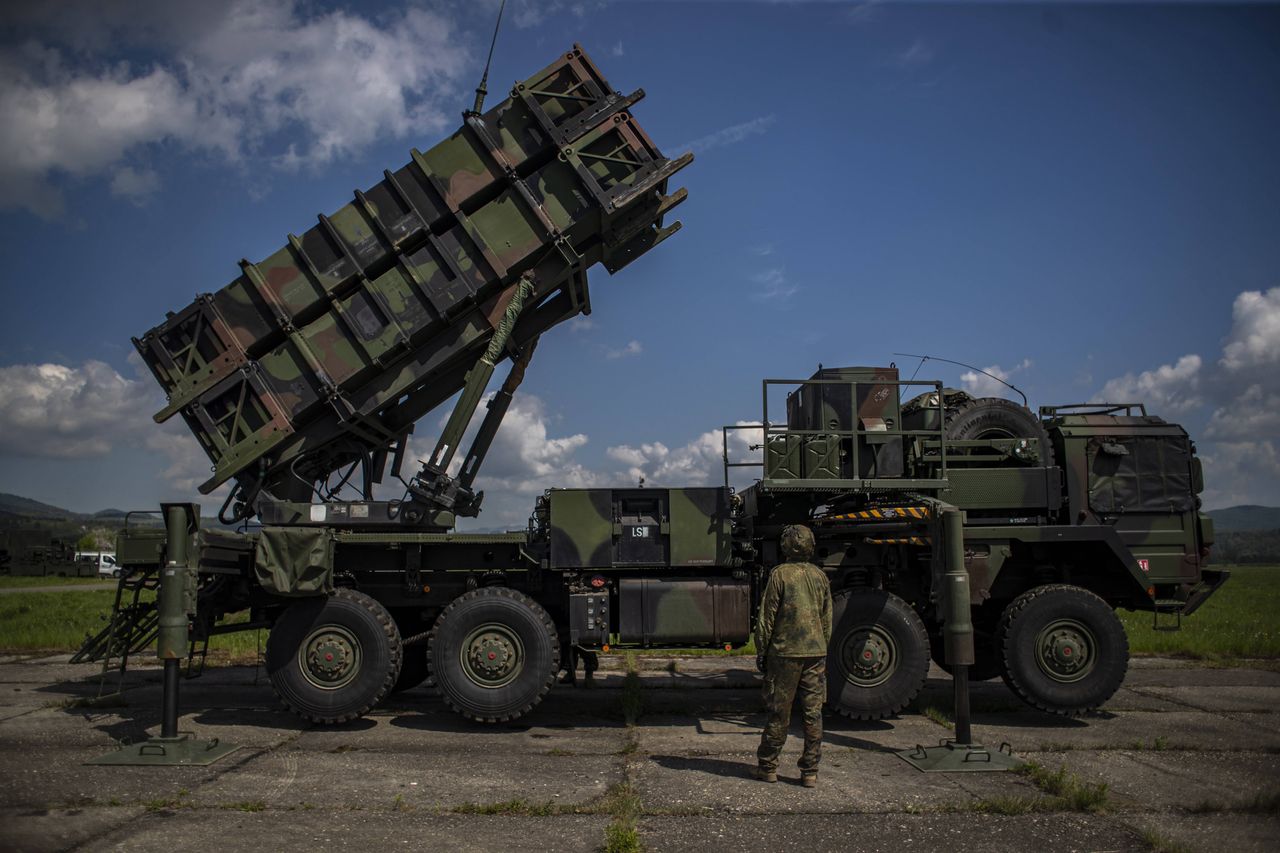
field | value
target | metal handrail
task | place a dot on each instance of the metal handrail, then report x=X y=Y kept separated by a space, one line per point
x=767 y=429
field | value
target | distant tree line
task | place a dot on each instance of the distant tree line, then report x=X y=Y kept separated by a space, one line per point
x=1247 y=546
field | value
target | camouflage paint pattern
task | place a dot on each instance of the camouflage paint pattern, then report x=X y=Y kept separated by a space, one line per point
x=1135 y=474
x=581 y=528
x=339 y=341
x=693 y=528
x=795 y=612
x=784 y=677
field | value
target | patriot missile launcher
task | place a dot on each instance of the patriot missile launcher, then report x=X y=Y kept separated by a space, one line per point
x=324 y=354
x=997 y=540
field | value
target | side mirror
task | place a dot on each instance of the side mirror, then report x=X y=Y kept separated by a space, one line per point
x=1197 y=475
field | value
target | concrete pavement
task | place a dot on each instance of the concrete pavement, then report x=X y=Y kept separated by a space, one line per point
x=1191 y=757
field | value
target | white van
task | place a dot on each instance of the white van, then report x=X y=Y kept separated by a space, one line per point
x=105 y=562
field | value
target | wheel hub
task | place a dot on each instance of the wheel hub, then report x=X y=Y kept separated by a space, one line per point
x=330 y=657
x=492 y=655
x=870 y=656
x=1065 y=650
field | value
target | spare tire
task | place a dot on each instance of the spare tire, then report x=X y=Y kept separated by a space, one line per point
x=977 y=418
x=995 y=417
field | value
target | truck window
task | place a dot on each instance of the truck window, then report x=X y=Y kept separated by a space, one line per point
x=1140 y=473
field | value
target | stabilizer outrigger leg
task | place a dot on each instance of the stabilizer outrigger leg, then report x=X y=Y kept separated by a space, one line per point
x=176 y=602
x=959 y=754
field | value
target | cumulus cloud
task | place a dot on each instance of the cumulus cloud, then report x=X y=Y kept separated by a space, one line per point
x=698 y=463
x=1253 y=414
x=1241 y=387
x=53 y=410
x=982 y=385
x=1254 y=340
x=1170 y=387
x=526 y=458
x=62 y=412
x=1233 y=469
x=731 y=135
x=268 y=79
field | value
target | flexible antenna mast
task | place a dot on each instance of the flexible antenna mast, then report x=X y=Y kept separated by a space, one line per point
x=482 y=89
x=924 y=358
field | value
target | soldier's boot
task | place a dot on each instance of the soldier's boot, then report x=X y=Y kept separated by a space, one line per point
x=809 y=780
x=765 y=775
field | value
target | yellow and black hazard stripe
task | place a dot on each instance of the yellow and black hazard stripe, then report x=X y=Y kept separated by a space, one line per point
x=889 y=513
x=901 y=540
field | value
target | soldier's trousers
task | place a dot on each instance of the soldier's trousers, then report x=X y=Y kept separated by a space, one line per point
x=783 y=678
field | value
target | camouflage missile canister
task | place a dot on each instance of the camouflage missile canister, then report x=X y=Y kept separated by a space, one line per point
x=333 y=346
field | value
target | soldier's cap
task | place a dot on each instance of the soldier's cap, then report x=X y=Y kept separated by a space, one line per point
x=797 y=542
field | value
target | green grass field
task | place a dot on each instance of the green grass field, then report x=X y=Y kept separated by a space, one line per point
x=59 y=621
x=1239 y=621
x=8 y=582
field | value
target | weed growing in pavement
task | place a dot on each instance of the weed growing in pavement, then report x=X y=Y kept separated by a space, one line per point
x=1067 y=788
x=1158 y=843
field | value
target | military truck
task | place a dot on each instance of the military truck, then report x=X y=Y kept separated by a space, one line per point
x=34 y=553
x=303 y=379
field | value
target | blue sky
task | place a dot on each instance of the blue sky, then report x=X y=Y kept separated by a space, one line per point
x=1082 y=197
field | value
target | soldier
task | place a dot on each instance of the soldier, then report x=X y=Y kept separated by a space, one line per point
x=792 y=632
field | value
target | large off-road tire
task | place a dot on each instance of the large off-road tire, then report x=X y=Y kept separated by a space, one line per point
x=494 y=654
x=879 y=654
x=1064 y=649
x=332 y=659
x=994 y=417
x=978 y=418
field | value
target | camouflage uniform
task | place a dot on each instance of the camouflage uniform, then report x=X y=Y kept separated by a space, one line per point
x=792 y=633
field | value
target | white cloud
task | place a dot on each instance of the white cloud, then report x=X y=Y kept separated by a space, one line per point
x=1170 y=387
x=698 y=463
x=1239 y=472
x=526 y=459
x=251 y=76
x=57 y=411
x=773 y=286
x=617 y=49
x=136 y=185
x=632 y=348
x=581 y=323
x=1253 y=415
x=1254 y=340
x=982 y=385
x=731 y=135
x=1240 y=441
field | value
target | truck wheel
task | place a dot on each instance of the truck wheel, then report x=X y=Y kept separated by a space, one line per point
x=879 y=654
x=1064 y=649
x=494 y=654
x=332 y=659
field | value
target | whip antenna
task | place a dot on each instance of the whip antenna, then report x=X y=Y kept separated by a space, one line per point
x=924 y=358
x=481 y=90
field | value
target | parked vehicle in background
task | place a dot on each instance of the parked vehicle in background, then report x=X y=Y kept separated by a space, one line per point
x=104 y=563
